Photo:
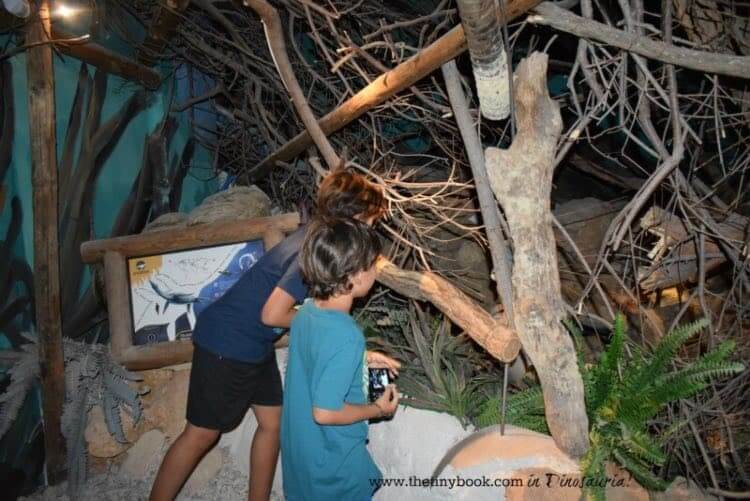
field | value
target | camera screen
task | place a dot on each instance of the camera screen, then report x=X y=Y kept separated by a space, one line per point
x=379 y=379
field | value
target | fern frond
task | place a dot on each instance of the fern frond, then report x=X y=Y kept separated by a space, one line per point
x=73 y=426
x=696 y=379
x=664 y=351
x=640 y=472
x=530 y=400
x=605 y=375
x=112 y=417
x=642 y=445
x=524 y=408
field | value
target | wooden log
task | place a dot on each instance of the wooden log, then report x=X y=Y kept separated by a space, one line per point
x=43 y=141
x=384 y=87
x=203 y=235
x=499 y=341
x=521 y=178
x=107 y=60
x=681 y=264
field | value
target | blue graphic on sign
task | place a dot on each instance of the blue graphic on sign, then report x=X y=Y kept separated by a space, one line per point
x=241 y=262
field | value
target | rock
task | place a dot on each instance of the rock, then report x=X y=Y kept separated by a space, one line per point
x=167 y=221
x=154 y=379
x=239 y=202
x=401 y=448
x=631 y=490
x=101 y=444
x=206 y=470
x=145 y=456
x=166 y=405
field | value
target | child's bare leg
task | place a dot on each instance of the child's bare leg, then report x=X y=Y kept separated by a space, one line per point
x=264 y=451
x=180 y=461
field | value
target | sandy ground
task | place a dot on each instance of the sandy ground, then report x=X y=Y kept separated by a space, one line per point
x=229 y=485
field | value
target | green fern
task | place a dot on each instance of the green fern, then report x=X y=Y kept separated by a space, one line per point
x=525 y=409
x=622 y=396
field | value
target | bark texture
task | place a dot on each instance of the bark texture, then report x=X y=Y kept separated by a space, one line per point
x=42 y=138
x=488 y=332
x=521 y=178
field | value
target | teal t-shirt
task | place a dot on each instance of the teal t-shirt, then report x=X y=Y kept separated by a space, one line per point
x=325 y=369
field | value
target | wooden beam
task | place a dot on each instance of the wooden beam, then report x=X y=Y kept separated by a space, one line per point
x=41 y=99
x=161 y=30
x=107 y=60
x=202 y=235
x=384 y=87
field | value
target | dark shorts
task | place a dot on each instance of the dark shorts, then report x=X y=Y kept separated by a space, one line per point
x=222 y=390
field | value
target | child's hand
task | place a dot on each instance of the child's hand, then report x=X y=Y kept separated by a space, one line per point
x=378 y=360
x=388 y=401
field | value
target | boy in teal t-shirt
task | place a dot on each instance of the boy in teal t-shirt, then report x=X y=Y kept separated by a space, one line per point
x=325 y=412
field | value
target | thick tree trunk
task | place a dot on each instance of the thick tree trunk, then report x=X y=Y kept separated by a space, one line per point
x=41 y=89
x=521 y=178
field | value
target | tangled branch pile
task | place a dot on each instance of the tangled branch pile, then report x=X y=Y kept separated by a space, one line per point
x=664 y=147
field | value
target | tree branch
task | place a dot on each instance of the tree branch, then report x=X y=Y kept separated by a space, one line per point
x=549 y=14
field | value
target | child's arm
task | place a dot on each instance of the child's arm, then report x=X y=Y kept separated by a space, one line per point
x=279 y=309
x=351 y=413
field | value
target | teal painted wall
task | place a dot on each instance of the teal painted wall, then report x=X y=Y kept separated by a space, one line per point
x=112 y=187
x=120 y=169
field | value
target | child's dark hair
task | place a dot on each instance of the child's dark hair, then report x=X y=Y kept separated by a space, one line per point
x=333 y=252
x=343 y=194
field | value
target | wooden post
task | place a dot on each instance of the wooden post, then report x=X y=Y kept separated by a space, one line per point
x=41 y=95
x=118 y=301
x=521 y=178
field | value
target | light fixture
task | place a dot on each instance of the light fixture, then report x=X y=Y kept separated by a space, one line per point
x=65 y=11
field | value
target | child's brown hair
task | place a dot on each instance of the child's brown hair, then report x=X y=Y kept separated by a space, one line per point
x=345 y=195
x=333 y=252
